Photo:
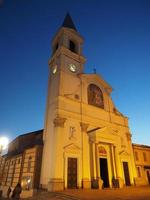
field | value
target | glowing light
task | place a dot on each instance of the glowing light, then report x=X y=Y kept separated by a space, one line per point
x=28 y=180
x=3 y=143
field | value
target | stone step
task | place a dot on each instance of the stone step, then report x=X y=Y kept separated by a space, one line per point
x=65 y=196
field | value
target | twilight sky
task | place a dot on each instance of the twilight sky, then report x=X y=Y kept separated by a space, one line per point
x=117 y=44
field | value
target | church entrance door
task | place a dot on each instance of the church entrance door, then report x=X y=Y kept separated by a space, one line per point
x=104 y=171
x=72 y=173
x=126 y=173
x=148 y=176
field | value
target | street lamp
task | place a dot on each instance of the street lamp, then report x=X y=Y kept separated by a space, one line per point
x=3 y=144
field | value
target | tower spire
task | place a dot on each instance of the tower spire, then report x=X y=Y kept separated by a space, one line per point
x=68 y=22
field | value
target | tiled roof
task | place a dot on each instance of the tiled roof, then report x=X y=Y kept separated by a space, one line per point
x=25 y=141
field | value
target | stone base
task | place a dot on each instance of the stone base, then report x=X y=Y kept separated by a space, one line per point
x=121 y=182
x=55 y=185
x=140 y=181
x=100 y=183
x=94 y=184
x=86 y=183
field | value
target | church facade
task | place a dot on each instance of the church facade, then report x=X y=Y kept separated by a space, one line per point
x=86 y=140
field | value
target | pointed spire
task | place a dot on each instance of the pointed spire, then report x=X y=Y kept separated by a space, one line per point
x=68 y=23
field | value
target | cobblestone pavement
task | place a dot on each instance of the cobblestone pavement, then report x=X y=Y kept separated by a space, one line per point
x=130 y=193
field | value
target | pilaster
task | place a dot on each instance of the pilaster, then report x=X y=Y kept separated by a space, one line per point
x=56 y=182
x=86 y=182
x=118 y=167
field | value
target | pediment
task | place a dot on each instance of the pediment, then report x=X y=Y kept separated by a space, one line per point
x=72 y=147
x=105 y=134
x=95 y=78
x=107 y=131
x=124 y=153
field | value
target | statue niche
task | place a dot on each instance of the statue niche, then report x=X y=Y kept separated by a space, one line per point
x=95 y=96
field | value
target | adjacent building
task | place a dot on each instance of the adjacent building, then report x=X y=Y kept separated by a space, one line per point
x=22 y=163
x=142 y=162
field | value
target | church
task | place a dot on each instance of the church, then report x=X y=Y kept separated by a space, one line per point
x=86 y=142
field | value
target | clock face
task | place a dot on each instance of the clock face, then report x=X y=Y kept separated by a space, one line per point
x=72 y=67
x=54 y=69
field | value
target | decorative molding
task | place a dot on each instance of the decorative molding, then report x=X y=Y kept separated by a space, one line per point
x=124 y=153
x=59 y=122
x=72 y=133
x=102 y=151
x=84 y=126
x=72 y=148
x=128 y=134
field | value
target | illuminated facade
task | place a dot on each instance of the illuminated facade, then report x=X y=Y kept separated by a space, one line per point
x=87 y=141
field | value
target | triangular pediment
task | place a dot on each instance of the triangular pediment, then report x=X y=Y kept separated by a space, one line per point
x=72 y=147
x=105 y=134
x=107 y=130
x=124 y=153
x=98 y=80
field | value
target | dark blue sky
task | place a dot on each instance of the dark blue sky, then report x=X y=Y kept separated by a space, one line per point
x=117 y=43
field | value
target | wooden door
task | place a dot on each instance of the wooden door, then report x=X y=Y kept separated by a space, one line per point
x=148 y=176
x=72 y=173
x=126 y=173
x=104 y=171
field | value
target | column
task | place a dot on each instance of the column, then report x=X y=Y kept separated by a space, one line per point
x=99 y=180
x=133 y=174
x=56 y=182
x=86 y=179
x=118 y=167
x=113 y=161
x=94 y=160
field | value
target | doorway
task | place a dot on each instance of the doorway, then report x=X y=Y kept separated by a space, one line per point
x=104 y=171
x=72 y=173
x=148 y=176
x=126 y=173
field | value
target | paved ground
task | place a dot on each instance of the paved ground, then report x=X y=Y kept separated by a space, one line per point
x=130 y=193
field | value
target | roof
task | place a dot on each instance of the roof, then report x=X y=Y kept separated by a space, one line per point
x=141 y=145
x=68 y=22
x=25 y=141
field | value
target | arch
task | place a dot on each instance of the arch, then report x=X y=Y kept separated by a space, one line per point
x=55 y=47
x=102 y=150
x=95 y=96
x=72 y=46
x=29 y=164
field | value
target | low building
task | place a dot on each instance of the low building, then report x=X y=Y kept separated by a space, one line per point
x=142 y=162
x=22 y=163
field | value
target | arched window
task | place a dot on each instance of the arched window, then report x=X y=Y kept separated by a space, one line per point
x=72 y=46
x=95 y=96
x=29 y=164
x=102 y=151
x=55 y=48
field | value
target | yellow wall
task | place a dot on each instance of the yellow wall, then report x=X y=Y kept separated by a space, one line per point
x=142 y=164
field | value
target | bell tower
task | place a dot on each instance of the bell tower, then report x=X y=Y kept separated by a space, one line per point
x=65 y=64
x=67 y=49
